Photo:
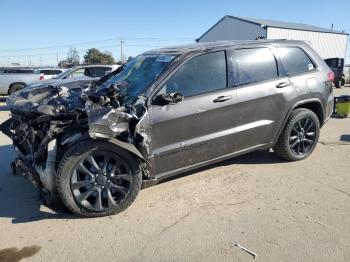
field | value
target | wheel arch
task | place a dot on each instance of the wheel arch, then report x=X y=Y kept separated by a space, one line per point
x=85 y=136
x=313 y=104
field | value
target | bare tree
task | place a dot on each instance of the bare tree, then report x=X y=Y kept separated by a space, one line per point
x=73 y=56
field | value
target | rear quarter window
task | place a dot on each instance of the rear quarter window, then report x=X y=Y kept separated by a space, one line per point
x=294 y=61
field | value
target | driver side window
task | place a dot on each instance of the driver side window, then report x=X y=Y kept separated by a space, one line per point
x=201 y=74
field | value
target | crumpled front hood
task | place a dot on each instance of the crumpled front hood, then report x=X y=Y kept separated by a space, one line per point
x=46 y=99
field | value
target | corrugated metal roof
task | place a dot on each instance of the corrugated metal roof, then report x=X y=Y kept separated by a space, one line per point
x=287 y=25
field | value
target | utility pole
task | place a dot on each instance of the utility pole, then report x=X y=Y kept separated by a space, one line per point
x=41 y=61
x=8 y=61
x=30 y=60
x=57 y=59
x=121 y=50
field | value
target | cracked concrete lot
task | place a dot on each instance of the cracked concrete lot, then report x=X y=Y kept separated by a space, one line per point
x=281 y=211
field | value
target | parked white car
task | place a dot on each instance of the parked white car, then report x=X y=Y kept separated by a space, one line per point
x=77 y=77
x=14 y=79
x=50 y=72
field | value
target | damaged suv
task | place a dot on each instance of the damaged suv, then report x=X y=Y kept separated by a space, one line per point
x=165 y=112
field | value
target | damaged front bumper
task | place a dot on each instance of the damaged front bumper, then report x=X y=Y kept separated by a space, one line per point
x=46 y=121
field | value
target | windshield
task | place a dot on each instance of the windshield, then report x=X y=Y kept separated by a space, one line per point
x=139 y=74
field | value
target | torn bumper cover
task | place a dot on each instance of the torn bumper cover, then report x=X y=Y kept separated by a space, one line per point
x=46 y=119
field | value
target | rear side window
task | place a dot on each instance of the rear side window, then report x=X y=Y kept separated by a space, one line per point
x=19 y=71
x=57 y=72
x=96 y=71
x=201 y=74
x=45 y=72
x=254 y=65
x=99 y=71
x=294 y=61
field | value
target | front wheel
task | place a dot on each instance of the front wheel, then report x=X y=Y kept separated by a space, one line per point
x=14 y=88
x=299 y=136
x=96 y=178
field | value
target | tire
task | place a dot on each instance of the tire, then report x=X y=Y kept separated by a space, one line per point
x=337 y=84
x=295 y=136
x=80 y=184
x=342 y=82
x=14 y=88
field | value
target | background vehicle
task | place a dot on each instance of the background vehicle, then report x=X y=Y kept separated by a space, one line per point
x=14 y=79
x=18 y=70
x=50 y=72
x=73 y=79
x=166 y=112
x=347 y=74
x=337 y=66
x=88 y=71
x=79 y=73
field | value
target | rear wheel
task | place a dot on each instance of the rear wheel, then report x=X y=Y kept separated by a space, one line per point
x=300 y=135
x=342 y=82
x=97 y=178
x=14 y=88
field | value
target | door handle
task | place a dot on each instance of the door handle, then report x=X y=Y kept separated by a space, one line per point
x=222 y=99
x=282 y=84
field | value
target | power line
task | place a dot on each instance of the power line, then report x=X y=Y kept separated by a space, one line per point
x=157 y=39
x=82 y=50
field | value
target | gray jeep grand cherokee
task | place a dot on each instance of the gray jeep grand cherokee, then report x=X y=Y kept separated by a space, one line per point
x=165 y=112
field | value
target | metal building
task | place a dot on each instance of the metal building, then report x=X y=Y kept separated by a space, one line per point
x=328 y=43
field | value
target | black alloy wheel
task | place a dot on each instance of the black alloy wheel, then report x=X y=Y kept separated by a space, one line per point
x=98 y=178
x=299 y=136
x=101 y=180
x=302 y=136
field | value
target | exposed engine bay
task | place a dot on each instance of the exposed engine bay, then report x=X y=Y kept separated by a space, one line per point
x=47 y=120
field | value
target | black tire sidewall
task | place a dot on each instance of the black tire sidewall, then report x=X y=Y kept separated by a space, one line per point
x=14 y=88
x=71 y=158
x=299 y=116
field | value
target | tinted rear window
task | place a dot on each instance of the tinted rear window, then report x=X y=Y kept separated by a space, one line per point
x=98 y=71
x=254 y=65
x=294 y=61
x=56 y=72
x=18 y=71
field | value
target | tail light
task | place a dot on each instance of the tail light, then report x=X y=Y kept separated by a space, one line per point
x=41 y=77
x=331 y=76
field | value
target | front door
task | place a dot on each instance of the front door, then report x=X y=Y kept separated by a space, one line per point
x=200 y=127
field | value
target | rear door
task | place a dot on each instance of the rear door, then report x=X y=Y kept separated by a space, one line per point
x=262 y=97
x=200 y=127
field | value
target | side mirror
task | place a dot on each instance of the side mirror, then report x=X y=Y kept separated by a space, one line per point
x=171 y=98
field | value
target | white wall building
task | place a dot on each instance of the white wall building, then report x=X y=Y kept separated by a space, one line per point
x=328 y=43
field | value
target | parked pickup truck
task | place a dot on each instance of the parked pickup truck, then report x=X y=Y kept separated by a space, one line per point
x=12 y=80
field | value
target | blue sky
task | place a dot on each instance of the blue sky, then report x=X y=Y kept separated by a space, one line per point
x=42 y=29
